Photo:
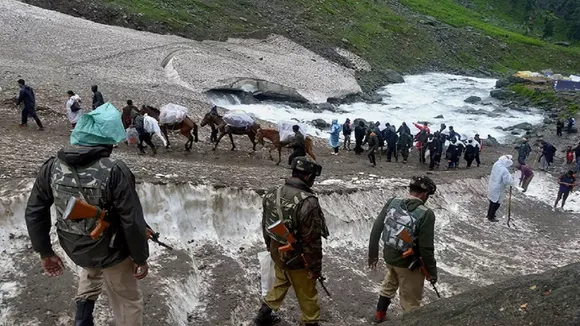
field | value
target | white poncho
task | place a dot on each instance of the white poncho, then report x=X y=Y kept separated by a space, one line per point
x=152 y=126
x=500 y=178
x=73 y=117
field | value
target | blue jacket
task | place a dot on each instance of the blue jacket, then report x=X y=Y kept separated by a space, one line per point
x=27 y=96
x=334 y=134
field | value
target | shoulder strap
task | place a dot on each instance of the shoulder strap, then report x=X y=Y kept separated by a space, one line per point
x=78 y=182
x=278 y=204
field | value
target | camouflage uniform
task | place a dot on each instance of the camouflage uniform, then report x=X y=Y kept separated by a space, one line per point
x=108 y=260
x=303 y=216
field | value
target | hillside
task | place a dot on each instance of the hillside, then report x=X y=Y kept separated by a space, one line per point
x=387 y=33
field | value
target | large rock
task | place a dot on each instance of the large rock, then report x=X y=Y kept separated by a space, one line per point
x=517 y=107
x=501 y=94
x=392 y=76
x=492 y=142
x=524 y=126
x=472 y=99
x=480 y=112
x=320 y=124
x=372 y=98
x=439 y=117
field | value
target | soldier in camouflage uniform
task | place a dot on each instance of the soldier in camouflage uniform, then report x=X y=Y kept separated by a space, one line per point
x=295 y=204
x=118 y=258
x=405 y=214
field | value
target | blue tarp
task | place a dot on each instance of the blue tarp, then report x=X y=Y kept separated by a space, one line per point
x=566 y=85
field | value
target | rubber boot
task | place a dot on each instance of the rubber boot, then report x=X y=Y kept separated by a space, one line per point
x=264 y=317
x=84 y=315
x=382 y=306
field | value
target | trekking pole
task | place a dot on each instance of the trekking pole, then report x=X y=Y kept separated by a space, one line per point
x=509 y=208
x=436 y=291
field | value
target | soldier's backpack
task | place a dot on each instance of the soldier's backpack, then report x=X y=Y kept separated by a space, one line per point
x=399 y=218
x=282 y=204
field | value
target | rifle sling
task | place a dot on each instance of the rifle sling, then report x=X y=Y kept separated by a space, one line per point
x=295 y=221
x=79 y=184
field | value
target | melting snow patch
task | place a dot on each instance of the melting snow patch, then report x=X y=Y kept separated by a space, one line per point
x=544 y=188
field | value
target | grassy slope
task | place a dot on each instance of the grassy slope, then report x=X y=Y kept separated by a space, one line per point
x=367 y=27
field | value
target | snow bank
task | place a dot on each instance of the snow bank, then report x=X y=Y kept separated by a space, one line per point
x=470 y=251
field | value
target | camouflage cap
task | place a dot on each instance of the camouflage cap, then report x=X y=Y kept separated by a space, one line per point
x=304 y=164
x=425 y=183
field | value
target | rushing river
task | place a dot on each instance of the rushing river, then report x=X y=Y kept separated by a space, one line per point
x=421 y=98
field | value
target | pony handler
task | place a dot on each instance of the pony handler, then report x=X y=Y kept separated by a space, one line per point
x=187 y=127
x=273 y=136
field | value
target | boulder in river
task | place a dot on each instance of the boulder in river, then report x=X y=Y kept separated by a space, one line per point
x=523 y=126
x=439 y=117
x=517 y=107
x=320 y=124
x=501 y=94
x=393 y=77
x=326 y=107
x=472 y=99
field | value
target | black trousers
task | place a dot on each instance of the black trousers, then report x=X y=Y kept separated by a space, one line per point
x=563 y=196
x=477 y=159
x=371 y=155
x=434 y=160
x=392 y=151
x=297 y=152
x=28 y=112
x=405 y=153
x=492 y=210
x=469 y=159
x=559 y=132
x=358 y=147
x=145 y=137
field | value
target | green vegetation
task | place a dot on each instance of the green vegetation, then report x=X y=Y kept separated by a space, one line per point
x=534 y=94
x=573 y=109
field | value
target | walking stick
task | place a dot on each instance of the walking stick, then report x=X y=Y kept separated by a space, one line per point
x=436 y=291
x=509 y=208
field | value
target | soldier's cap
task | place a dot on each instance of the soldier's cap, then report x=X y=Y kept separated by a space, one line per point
x=304 y=164
x=425 y=183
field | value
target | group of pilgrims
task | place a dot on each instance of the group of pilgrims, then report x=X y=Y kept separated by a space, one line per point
x=394 y=142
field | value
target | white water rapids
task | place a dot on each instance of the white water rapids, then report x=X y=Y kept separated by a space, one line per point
x=470 y=251
x=420 y=98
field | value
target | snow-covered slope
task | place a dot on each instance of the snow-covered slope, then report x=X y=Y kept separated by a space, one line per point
x=212 y=276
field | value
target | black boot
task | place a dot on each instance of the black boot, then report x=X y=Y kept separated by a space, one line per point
x=264 y=317
x=84 y=315
x=382 y=306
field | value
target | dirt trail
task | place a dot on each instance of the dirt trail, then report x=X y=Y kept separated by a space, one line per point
x=29 y=148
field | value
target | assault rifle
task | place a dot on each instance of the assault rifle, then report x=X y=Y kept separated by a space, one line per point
x=280 y=229
x=418 y=260
x=78 y=209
